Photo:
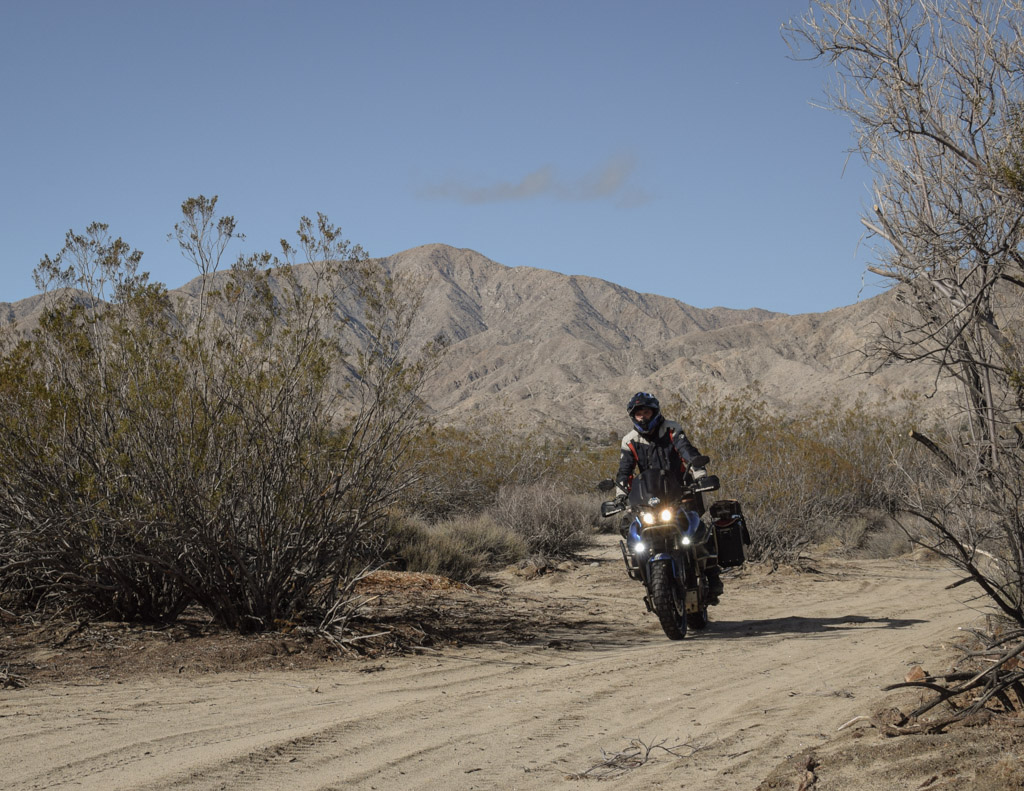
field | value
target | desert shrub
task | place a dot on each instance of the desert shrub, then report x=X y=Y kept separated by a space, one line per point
x=804 y=478
x=542 y=518
x=78 y=528
x=471 y=465
x=885 y=538
x=967 y=509
x=159 y=452
x=801 y=477
x=462 y=548
x=867 y=534
x=552 y=519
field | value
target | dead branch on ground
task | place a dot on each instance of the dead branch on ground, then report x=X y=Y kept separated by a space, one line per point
x=9 y=680
x=968 y=694
x=636 y=755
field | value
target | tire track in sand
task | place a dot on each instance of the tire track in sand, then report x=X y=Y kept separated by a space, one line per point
x=787 y=659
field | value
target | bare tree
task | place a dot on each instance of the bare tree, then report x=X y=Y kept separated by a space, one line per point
x=935 y=91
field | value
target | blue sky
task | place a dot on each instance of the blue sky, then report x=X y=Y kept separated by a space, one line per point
x=670 y=147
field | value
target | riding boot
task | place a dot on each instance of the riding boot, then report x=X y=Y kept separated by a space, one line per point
x=715 y=586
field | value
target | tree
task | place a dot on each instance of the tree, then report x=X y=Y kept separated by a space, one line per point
x=935 y=91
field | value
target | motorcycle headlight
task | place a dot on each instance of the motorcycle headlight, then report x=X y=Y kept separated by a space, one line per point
x=639 y=547
x=648 y=518
x=686 y=541
x=666 y=515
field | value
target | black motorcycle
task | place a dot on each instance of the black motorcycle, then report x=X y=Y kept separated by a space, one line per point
x=668 y=546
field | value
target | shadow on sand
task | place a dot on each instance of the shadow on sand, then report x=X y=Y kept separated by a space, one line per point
x=798 y=624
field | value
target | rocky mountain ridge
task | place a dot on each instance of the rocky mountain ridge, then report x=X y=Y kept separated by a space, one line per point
x=534 y=345
x=538 y=345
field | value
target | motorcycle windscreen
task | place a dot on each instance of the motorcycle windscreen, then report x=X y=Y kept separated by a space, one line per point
x=655 y=483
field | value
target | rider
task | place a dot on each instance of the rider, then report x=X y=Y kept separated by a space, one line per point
x=656 y=443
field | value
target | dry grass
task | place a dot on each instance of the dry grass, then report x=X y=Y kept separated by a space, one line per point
x=462 y=548
x=552 y=520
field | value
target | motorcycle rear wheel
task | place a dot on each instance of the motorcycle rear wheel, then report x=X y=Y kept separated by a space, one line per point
x=668 y=601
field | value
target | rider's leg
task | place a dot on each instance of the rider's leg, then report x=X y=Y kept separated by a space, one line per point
x=715 y=586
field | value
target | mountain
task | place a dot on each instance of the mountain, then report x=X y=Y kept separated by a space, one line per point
x=535 y=345
x=539 y=345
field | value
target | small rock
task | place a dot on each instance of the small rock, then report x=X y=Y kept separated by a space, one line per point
x=916 y=673
x=531 y=567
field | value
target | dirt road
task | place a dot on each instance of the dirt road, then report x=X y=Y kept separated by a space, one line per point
x=789 y=657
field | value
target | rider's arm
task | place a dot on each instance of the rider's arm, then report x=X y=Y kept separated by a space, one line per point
x=624 y=477
x=686 y=449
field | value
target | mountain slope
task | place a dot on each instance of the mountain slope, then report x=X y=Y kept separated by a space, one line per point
x=539 y=345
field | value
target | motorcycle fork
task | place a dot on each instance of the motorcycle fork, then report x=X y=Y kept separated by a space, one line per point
x=677 y=565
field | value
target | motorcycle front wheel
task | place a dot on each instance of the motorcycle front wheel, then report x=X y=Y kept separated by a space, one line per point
x=668 y=601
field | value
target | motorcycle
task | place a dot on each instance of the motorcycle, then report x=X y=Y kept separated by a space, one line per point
x=668 y=547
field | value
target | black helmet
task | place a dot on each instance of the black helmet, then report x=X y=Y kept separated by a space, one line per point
x=649 y=401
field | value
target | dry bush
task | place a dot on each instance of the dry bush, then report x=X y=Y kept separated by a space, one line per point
x=871 y=534
x=968 y=511
x=934 y=91
x=552 y=520
x=888 y=540
x=157 y=455
x=462 y=548
x=498 y=455
x=800 y=478
x=541 y=518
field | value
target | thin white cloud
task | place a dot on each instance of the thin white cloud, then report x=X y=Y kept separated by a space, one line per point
x=610 y=180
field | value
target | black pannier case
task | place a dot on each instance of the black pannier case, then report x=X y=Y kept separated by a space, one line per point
x=731 y=532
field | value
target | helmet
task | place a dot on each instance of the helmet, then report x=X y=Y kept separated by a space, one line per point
x=649 y=401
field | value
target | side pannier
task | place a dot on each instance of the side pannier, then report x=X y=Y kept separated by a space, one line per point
x=730 y=531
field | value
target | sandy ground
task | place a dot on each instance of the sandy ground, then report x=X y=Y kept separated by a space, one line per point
x=594 y=692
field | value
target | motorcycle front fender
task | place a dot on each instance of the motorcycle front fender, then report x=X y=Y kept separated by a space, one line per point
x=634 y=531
x=664 y=557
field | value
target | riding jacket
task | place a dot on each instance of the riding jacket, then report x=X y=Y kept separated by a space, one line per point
x=666 y=449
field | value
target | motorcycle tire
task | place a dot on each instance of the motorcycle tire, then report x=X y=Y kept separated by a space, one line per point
x=668 y=601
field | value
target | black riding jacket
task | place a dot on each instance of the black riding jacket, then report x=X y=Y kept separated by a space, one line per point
x=666 y=449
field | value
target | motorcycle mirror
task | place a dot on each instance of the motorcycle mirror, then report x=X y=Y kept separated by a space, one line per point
x=606 y=485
